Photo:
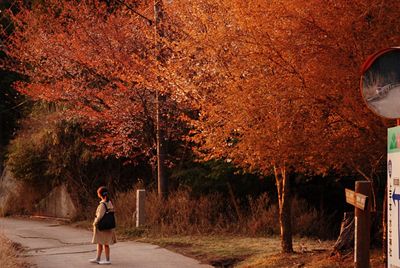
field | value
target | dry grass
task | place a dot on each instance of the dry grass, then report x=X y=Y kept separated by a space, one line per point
x=310 y=259
x=245 y=252
x=180 y=213
x=183 y=214
x=125 y=206
x=229 y=251
x=9 y=254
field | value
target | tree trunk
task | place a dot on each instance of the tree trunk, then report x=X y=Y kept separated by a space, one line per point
x=345 y=241
x=285 y=215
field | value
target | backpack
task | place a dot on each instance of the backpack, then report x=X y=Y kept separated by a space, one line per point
x=107 y=222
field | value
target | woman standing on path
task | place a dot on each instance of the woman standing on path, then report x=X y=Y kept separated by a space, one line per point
x=105 y=237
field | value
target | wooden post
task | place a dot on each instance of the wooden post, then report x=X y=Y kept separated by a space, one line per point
x=140 y=213
x=362 y=227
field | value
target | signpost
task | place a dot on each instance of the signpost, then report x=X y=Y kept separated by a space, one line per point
x=362 y=212
x=356 y=199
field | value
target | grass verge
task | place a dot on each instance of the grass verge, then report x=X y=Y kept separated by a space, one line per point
x=9 y=254
x=310 y=259
x=234 y=251
x=245 y=252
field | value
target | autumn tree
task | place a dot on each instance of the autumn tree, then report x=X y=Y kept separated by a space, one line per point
x=278 y=85
x=104 y=68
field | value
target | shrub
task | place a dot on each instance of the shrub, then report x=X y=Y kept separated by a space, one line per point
x=185 y=214
x=125 y=207
x=263 y=216
x=179 y=214
x=307 y=221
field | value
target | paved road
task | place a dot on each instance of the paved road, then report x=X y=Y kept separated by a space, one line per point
x=389 y=105
x=51 y=245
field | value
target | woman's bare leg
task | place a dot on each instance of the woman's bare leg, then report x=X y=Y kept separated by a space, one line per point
x=99 y=251
x=107 y=251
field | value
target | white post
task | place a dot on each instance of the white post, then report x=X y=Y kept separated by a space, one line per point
x=140 y=213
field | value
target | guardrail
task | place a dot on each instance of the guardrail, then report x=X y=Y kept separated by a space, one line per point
x=381 y=92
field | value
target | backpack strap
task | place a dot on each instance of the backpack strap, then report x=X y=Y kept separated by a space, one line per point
x=105 y=206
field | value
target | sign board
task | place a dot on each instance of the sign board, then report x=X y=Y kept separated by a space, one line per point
x=356 y=199
x=380 y=82
x=393 y=201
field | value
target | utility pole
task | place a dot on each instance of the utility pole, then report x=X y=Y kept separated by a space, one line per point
x=160 y=140
x=159 y=33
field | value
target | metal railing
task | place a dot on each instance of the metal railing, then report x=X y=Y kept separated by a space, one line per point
x=382 y=92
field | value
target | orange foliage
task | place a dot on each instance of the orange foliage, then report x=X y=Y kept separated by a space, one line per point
x=102 y=67
x=279 y=80
x=275 y=82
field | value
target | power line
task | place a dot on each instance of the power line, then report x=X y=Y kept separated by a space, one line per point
x=149 y=21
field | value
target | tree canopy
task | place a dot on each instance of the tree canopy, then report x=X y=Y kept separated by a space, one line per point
x=272 y=86
x=101 y=67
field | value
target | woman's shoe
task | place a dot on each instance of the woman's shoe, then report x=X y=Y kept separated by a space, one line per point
x=104 y=262
x=95 y=260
